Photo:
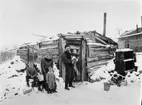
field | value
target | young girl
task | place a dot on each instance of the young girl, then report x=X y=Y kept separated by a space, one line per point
x=50 y=81
x=40 y=81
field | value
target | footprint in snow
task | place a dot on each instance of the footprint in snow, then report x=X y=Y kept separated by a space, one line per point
x=7 y=89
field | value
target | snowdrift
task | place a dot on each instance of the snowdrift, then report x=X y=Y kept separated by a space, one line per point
x=13 y=81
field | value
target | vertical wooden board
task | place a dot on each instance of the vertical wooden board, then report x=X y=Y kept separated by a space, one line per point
x=83 y=61
x=63 y=66
x=60 y=55
x=61 y=50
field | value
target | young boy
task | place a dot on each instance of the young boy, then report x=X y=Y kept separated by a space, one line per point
x=51 y=81
x=31 y=73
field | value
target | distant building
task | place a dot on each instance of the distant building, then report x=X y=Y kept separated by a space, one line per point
x=131 y=39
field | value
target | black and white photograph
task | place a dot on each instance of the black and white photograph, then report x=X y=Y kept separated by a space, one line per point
x=70 y=52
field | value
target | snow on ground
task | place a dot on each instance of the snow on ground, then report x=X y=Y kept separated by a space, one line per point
x=139 y=60
x=10 y=80
x=85 y=93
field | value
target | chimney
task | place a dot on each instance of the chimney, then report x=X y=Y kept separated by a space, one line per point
x=137 y=30
x=104 y=31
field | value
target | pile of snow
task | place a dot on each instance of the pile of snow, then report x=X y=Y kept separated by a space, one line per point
x=12 y=82
x=132 y=78
x=59 y=80
x=103 y=71
x=9 y=68
x=110 y=65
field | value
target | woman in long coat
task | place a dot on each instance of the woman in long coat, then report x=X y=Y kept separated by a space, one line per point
x=45 y=64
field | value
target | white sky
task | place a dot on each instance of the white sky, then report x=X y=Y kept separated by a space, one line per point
x=20 y=18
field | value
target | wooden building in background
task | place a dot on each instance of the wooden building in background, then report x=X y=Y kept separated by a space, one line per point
x=131 y=39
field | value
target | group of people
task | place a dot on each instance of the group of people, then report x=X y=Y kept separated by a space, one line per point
x=45 y=78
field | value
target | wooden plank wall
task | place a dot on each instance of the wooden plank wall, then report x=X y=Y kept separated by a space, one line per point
x=99 y=57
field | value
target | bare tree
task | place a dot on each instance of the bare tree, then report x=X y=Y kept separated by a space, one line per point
x=119 y=31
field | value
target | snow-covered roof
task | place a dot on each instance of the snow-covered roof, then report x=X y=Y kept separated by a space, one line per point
x=49 y=47
x=123 y=36
x=96 y=44
x=124 y=50
x=132 y=33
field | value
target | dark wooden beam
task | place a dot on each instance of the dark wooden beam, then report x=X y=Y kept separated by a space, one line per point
x=105 y=15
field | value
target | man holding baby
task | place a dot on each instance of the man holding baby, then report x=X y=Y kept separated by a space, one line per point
x=69 y=67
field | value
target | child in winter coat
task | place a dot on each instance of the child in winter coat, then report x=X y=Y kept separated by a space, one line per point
x=40 y=81
x=51 y=81
x=31 y=73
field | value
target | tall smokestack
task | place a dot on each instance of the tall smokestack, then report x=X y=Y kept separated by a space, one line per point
x=104 y=32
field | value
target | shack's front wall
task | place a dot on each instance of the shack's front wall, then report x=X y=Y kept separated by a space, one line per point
x=133 y=42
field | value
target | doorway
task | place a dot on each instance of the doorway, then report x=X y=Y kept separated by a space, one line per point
x=77 y=46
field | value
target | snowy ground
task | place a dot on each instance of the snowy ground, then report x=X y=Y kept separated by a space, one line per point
x=82 y=95
x=12 y=89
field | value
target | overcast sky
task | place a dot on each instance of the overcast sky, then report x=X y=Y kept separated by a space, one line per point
x=20 y=18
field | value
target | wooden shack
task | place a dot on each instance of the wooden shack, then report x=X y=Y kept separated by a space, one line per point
x=93 y=48
x=93 y=51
